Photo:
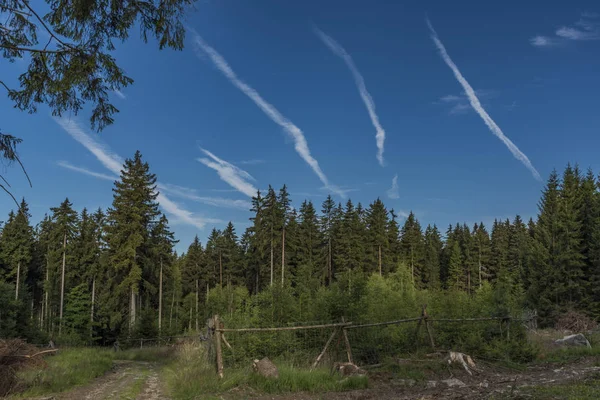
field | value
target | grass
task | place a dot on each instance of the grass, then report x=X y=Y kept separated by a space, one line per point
x=191 y=376
x=134 y=390
x=581 y=390
x=69 y=368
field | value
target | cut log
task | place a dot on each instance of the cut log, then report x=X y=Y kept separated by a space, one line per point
x=348 y=369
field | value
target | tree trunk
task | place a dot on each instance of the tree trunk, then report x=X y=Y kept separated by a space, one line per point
x=329 y=266
x=380 y=268
x=272 y=255
x=220 y=269
x=62 y=284
x=160 y=297
x=197 y=327
x=172 y=304
x=480 y=282
x=18 y=280
x=132 y=311
x=92 y=310
x=283 y=256
x=47 y=287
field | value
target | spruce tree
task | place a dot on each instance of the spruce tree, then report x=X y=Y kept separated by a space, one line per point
x=17 y=247
x=482 y=250
x=430 y=277
x=546 y=284
x=376 y=222
x=327 y=226
x=411 y=247
x=134 y=210
x=570 y=257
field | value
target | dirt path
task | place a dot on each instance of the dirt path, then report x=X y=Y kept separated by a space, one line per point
x=128 y=380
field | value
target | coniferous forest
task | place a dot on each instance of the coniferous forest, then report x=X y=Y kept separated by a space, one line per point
x=95 y=276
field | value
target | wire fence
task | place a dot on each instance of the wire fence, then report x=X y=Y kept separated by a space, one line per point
x=360 y=343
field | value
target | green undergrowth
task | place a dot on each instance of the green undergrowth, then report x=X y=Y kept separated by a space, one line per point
x=69 y=368
x=149 y=354
x=191 y=376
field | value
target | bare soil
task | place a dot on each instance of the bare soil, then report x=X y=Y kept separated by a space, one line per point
x=490 y=382
x=121 y=383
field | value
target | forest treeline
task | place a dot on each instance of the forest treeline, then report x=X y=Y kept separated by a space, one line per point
x=95 y=276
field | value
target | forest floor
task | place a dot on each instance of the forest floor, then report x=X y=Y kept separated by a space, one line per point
x=127 y=380
x=573 y=379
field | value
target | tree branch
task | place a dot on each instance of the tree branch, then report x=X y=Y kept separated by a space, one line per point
x=15 y=11
x=6 y=87
x=4 y=46
x=50 y=32
x=9 y=193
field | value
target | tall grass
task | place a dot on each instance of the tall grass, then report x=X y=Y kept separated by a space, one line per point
x=70 y=367
x=192 y=376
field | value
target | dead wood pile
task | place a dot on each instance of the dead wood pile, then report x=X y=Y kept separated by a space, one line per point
x=15 y=355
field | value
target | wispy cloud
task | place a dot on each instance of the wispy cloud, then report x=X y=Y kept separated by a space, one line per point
x=300 y=143
x=587 y=28
x=110 y=160
x=191 y=194
x=460 y=104
x=120 y=94
x=251 y=162
x=476 y=104
x=394 y=191
x=86 y=171
x=114 y=162
x=234 y=176
x=339 y=51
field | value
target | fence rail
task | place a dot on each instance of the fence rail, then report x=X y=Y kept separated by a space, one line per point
x=302 y=340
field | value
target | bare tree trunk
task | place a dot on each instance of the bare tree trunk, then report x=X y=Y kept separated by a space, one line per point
x=480 y=282
x=197 y=327
x=62 y=284
x=380 y=268
x=47 y=287
x=42 y=315
x=207 y=291
x=92 y=310
x=283 y=256
x=18 y=280
x=132 y=311
x=272 y=255
x=329 y=267
x=220 y=269
x=160 y=297
x=172 y=304
x=190 y=324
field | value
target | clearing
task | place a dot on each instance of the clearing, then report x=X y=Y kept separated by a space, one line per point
x=127 y=380
x=143 y=381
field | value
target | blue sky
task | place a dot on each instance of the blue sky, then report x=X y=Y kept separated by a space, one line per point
x=295 y=111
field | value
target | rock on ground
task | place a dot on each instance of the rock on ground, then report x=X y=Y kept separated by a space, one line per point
x=574 y=340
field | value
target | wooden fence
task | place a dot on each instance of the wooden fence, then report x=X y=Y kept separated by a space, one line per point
x=341 y=330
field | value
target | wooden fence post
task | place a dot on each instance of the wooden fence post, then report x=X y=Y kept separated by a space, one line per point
x=348 y=348
x=426 y=318
x=324 y=348
x=218 y=347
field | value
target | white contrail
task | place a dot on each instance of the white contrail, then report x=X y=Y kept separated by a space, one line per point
x=120 y=94
x=476 y=104
x=234 y=176
x=114 y=163
x=394 y=191
x=338 y=50
x=86 y=171
x=190 y=194
x=300 y=143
